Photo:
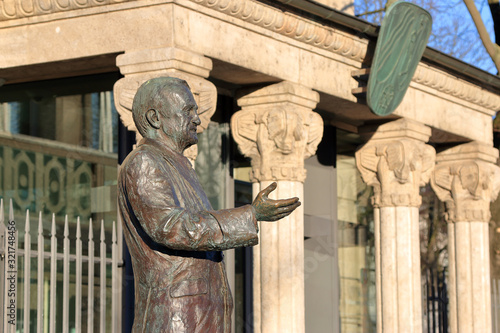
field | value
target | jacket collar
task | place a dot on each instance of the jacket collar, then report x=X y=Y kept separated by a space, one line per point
x=165 y=150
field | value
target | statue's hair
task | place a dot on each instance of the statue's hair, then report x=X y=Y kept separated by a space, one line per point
x=151 y=95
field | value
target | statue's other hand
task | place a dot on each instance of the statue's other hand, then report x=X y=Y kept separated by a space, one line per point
x=272 y=210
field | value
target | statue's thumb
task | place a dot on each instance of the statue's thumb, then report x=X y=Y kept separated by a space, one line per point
x=270 y=188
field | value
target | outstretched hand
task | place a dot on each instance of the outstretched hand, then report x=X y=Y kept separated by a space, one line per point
x=272 y=210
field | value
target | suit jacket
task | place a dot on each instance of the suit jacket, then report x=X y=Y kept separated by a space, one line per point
x=175 y=238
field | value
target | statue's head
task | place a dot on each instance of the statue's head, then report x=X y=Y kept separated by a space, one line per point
x=164 y=109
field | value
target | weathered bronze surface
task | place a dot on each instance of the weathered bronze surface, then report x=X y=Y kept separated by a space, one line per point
x=173 y=234
x=403 y=36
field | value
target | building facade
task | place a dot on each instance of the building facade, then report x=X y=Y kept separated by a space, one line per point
x=281 y=99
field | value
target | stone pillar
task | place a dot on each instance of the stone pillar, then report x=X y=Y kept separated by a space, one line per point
x=277 y=129
x=396 y=162
x=142 y=65
x=467 y=180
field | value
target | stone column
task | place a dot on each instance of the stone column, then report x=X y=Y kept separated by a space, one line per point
x=277 y=129
x=142 y=65
x=396 y=162
x=467 y=180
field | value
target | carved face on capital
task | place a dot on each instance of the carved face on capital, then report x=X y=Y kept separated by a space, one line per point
x=284 y=129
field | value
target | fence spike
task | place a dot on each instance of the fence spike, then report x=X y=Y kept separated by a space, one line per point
x=102 y=281
x=102 y=231
x=27 y=223
x=11 y=211
x=114 y=280
x=78 y=231
x=91 y=231
x=66 y=228
x=53 y=226
x=40 y=224
x=90 y=297
x=27 y=270
x=78 y=282
x=66 y=247
x=40 y=271
x=2 y=217
x=53 y=275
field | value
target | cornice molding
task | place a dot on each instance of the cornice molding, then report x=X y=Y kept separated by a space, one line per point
x=17 y=9
x=345 y=45
x=271 y=19
x=291 y=26
x=451 y=85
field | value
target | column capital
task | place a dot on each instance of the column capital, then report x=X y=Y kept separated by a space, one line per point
x=396 y=162
x=467 y=179
x=138 y=66
x=277 y=129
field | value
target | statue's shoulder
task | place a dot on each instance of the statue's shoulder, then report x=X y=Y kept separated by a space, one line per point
x=142 y=157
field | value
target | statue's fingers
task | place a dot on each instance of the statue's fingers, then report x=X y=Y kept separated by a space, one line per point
x=280 y=216
x=289 y=208
x=285 y=202
x=269 y=189
x=286 y=209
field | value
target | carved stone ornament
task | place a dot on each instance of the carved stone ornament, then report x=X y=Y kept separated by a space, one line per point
x=277 y=141
x=14 y=9
x=396 y=169
x=467 y=187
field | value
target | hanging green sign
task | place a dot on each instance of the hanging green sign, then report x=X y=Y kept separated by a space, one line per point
x=403 y=36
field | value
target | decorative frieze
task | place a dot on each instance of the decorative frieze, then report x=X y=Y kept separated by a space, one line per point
x=338 y=42
x=396 y=162
x=451 y=85
x=277 y=129
x=292 y=26
x=284 y=23
x=15 y=9
x=467 y=180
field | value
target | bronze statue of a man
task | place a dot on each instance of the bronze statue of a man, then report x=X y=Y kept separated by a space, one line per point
x=173 y=234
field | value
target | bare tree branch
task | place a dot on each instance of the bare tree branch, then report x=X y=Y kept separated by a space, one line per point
x=371 y=12
x=492 y=49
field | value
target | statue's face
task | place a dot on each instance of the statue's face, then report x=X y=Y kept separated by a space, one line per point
x=181 y=120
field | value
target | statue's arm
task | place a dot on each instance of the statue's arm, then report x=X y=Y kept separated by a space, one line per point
x=151 y=197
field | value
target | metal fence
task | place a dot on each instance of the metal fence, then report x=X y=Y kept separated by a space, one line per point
x=58 y=294
x=435 y=306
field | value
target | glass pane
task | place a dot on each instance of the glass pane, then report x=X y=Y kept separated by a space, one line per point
x=356 y=250
x=58 y=145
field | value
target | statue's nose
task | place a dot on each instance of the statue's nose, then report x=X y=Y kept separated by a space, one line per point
x=196 y=120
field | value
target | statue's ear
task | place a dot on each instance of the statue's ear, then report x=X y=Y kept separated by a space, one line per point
x=153 y=118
